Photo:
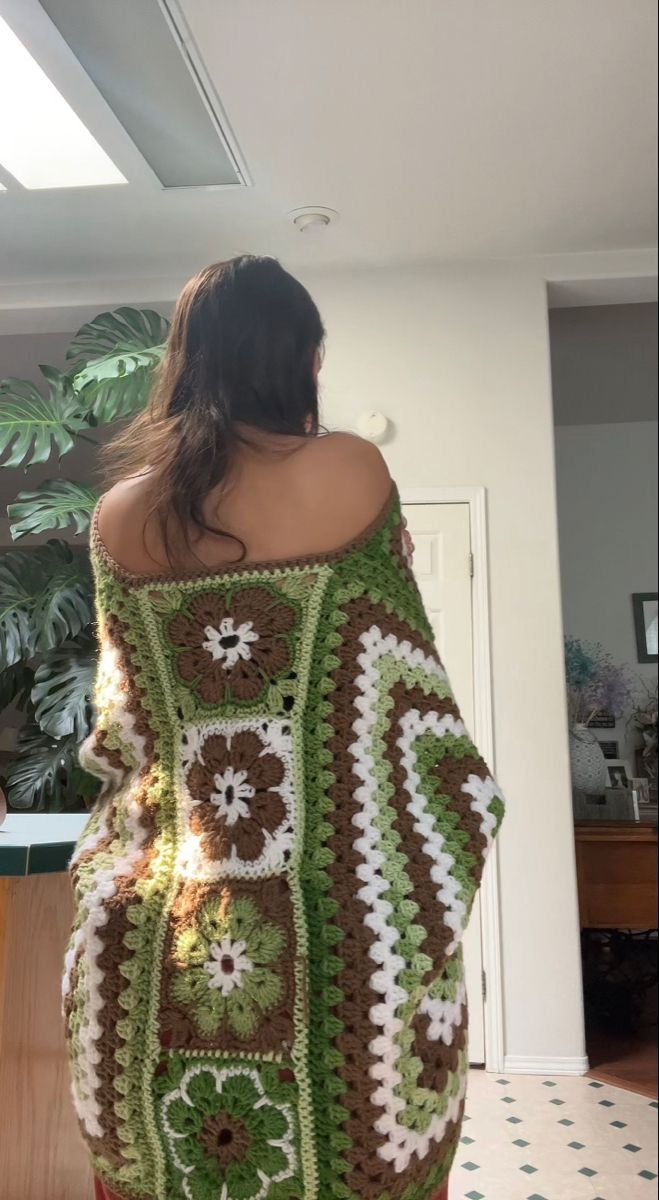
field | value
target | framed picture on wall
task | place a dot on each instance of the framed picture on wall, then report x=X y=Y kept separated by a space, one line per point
x=646 y=623
x=618 y=777
x=610 y=749
x=603 y=720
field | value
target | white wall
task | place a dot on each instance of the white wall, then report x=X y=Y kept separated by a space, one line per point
x=460 y=362
x=607 y=502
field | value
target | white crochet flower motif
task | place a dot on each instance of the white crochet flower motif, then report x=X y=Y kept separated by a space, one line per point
x=227 y=965
x=232 y=790
x=230 y=642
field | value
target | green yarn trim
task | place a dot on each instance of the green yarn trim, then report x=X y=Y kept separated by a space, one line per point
x=324 y=963
x=303 y=1049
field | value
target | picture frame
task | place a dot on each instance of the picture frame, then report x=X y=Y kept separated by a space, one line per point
x=642 y=789
x=602 y=720
x=610 y=750
x=646 y=625
x=618 y=777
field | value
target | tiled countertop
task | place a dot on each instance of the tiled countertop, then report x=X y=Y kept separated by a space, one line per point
x=38 y=843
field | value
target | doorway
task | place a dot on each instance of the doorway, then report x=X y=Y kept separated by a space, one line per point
x=604 y=378
x=447 y=558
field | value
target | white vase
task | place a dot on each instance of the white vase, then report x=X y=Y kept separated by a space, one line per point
x=589 y=771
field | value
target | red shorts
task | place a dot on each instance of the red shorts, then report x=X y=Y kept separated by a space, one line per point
x=102 y=1192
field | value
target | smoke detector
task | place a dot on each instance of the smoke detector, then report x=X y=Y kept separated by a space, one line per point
x=312 y=220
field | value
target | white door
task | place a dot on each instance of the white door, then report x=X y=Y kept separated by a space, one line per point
x=442 y=564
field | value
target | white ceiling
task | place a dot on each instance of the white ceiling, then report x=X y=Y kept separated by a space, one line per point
x=439 y=129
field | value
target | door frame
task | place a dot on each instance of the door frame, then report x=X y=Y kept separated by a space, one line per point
x=483 y=732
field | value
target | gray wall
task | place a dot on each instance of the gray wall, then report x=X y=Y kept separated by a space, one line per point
x=605 y=399
x=604 y=364
x=21 y=353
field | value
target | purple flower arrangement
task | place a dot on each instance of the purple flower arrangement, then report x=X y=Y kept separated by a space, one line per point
x=594 y=683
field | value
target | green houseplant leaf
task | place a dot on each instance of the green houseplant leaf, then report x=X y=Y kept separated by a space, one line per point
x=63 y=688
x=21 y=581
x=32 y=423
x=63 y=606
x=45 y=598
x=15 y=685
x=54 y=504
x=42 y=773
x=46 y=594
x=116 y=354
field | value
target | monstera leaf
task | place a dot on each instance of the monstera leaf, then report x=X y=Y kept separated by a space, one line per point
x=54 y=504
x=32 y=423
x=63 y=688
x=15 y=685
x=63 y=606
x=21 y=581
x=45 y=598
x=116 y=354
x=41 y=775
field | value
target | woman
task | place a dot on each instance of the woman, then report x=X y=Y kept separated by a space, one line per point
x=264 y=988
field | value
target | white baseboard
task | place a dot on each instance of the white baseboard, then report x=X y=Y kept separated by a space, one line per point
x=512 y=1065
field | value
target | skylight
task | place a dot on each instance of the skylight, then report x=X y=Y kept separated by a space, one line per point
x=43 y=143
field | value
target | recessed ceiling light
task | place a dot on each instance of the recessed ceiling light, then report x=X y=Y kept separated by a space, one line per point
x=43 y=143
x=313 y=220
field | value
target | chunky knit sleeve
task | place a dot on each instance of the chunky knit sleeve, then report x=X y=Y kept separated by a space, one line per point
x=453 y=803
x=436 y=807
x=120 y=745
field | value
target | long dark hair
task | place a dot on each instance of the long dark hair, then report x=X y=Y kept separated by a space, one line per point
x=240 y=354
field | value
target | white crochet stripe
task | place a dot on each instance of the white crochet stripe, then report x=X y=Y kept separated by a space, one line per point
x=412 y=726
x=444 y=1016
x=384 y=980
x=89 y=841
x=422 y=1143
x=401 y=1143
x=192 y=861
x=286 y=1143
x=110 y=697
x=86 y=941
x=94 y=761
x=483 y=792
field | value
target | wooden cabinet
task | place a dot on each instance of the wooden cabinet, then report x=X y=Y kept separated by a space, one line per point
x=42 y=1156
x=617 y=875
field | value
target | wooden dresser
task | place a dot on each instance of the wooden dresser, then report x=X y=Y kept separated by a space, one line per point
x=617 y=875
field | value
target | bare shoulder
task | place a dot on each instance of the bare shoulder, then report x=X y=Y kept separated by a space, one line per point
x=126 y=498
x=347 y=482
x=122 y=518
x=353 y=460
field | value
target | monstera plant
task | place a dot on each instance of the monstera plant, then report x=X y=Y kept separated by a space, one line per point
x=47 y=656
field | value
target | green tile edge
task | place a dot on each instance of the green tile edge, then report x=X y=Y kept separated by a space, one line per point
x=41 y=859
x=13 y=860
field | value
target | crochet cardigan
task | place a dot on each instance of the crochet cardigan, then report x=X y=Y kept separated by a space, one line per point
x=264 y=992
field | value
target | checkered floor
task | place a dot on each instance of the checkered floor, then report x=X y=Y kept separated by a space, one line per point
x=531 y=1138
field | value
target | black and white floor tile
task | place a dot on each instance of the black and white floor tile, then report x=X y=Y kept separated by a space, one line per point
x=531 y=1138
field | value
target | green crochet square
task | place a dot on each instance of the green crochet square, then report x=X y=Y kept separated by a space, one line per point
x=230 y=1128
x=237 y=644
